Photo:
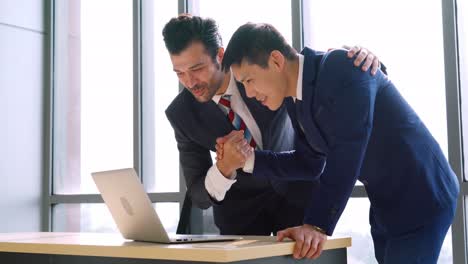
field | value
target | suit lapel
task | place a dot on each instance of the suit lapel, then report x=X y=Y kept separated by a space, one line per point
x=212 y=120
x=305 y=108
x=292 y=112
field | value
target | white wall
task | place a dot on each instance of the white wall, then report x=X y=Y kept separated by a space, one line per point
x=22 y=40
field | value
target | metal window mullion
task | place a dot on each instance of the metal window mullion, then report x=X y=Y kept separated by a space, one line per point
x=46 y=210
x=175 y=197
x=144 y=90
x=196 y=215
x=97 y=198
x=184 y=6
x=137 y=81
x=454 y=127
x=297 y=24
x=464 y=189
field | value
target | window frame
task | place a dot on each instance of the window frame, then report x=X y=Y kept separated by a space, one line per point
x=299 y=18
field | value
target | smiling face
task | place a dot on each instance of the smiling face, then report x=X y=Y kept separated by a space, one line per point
x=197 y=71
x=268 y=85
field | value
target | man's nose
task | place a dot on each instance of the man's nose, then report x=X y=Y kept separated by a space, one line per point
x=190 y=81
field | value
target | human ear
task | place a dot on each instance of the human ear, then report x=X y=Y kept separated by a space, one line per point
x=276 y=60
x=220 y=55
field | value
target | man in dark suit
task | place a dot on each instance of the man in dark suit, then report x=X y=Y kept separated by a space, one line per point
x=212 y=105
x=350 y=126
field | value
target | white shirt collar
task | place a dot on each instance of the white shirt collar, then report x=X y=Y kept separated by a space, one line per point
x=299 y=78
x=231 y=90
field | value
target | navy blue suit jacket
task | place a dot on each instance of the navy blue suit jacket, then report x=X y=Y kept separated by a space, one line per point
x=352 y=125
x=196 y=126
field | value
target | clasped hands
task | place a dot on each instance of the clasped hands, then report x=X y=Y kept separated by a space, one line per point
x=232 y=151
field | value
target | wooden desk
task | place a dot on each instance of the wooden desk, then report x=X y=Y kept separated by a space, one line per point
x=92 y=248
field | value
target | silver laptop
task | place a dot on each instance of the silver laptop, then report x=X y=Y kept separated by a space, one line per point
x=133 y=212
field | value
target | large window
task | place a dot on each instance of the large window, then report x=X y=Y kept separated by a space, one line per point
x=113 y=79
x=160 y=87
x=93 y=105
x=93 y=110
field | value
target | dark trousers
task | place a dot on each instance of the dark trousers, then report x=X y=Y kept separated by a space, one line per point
x=421 y=245
x=278 y=215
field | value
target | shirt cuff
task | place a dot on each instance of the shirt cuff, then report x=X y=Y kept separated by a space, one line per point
x=249 y=164
x=216 y=184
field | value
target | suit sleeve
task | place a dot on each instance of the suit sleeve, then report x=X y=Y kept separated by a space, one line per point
x=195 y=161
x=300 y=164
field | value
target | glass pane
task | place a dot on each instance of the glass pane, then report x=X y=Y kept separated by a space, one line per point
x=403 y=43
x=446 y=254
x=169 y=215
x=354 y=222
x=93 y=110
x=82 y=218
x=97 y=218
x=462 y=8
x=277 y=13
x=160 y=87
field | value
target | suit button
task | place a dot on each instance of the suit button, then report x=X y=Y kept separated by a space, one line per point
x=333 y=211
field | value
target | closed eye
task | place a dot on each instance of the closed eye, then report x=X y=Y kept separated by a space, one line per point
x=198 y=68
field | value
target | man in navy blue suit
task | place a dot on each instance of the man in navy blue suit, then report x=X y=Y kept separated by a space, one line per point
x=242 y=205
x=350 y=125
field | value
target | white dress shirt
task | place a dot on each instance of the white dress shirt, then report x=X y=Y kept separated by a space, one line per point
x=299 y=79
x=215 y=183
x=249 y=164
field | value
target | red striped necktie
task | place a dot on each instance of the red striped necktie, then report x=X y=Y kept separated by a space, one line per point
x=235 y=119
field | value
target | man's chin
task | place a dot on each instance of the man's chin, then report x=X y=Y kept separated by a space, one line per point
x=272 y=107
x=202 y=99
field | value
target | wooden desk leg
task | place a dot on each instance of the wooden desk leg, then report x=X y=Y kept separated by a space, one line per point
x=334 y=256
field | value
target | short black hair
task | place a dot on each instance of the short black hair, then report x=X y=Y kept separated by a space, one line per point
x=185 y=29
x=254 y=43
